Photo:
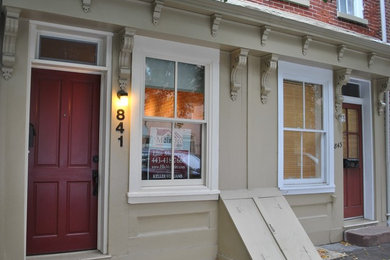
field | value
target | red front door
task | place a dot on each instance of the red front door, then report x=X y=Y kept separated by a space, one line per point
x=64 y=133
x=353 y=161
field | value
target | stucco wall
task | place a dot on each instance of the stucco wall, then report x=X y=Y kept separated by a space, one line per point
x=14 y=97
x=248 y=135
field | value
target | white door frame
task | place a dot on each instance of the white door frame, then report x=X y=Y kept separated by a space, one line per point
x=367 y=136
x=104 y=41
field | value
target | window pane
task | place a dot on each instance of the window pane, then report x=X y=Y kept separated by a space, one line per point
x=352 y=90
x=353 y=146
x=190 y=92
x=344 y=123
x=313 y=106
x=312 y=155
x=345 y=151
x=292 y=155
x=293 y=104
x=342 y=6
x=156 y=151
x=188 y=151
x=353 y=122
x=350 y=7
x=159 y=88
x=67 y=50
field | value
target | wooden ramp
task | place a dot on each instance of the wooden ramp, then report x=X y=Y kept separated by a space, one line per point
x=260 y=224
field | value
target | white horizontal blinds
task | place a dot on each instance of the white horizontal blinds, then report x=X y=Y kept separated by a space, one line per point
x=173 y=120
x=303 y=130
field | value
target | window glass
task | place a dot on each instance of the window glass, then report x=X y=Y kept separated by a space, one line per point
x=190 y=93
x=292 y=155
x=51 y=48
x=313 y=106
x=352 y=90
x=312 y=143
x=293 y=104
x=159 y=88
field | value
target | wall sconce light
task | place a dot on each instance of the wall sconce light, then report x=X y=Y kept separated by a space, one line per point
x=123 y=97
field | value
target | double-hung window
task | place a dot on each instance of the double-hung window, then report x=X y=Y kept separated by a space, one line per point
x=305 y=135
x=351 y=10
x=174 y=122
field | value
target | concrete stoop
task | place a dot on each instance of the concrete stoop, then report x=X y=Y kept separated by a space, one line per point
x=368 y=236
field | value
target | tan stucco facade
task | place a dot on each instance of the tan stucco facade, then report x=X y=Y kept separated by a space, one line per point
x=248 y=129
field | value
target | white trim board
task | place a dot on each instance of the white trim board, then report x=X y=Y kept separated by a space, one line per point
x=105 y=49
x=368 y=149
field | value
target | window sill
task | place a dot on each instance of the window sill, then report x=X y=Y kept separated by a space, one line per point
x=307 y=189
x=171 y=194
x=352 y=18
x=305 y=3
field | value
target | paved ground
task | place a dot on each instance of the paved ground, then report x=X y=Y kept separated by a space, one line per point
x=381 y=252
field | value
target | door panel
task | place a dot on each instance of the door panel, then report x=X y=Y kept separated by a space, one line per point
x=62 y=211
x=353 y=161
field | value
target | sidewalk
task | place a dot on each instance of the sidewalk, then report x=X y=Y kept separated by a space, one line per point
x=347 y=251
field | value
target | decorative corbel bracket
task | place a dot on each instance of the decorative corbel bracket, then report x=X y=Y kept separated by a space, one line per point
x=341 y=77
x=215 y=21
x=126 y=48
x=305 y=44
x=370 y=58
x=340 y=51
x=238 y=61
x=264 y=31
x=86 y=5
x=8 y=54
x=157 y=7
x=383 y=86
x=269 y=64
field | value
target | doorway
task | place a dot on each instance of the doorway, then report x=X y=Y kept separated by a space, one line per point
x=63 y=162
x=353 y=161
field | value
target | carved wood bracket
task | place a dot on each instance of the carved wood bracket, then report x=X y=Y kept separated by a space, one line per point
x=340 y=51
x=126 y=48
x=264 y=31
x=86 y=5
x=341 y=77
x=157 y=7
x=370 y=58
x=238 y=61
x=305 y=44
x=215 y=21
x=8 y=54
x=269 y=64
x=383 y=86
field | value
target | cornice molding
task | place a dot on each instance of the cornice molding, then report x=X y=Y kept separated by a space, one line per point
x=238 y=61
x=264 y=31
x=383 y=86
x=8 y=55
x=86 y=5
x=157 y=7
x=340 y=51
x=269 y=64
x=215 y=21
x=305 y=44
x=126 y=48
x=341 y=77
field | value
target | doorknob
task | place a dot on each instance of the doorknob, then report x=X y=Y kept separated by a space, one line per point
x=95 y=181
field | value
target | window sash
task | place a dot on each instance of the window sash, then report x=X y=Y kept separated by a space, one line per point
x=351 y=7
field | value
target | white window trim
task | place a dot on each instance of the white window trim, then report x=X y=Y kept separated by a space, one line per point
x=104 y=40
x=297 y=72
x=138 y=192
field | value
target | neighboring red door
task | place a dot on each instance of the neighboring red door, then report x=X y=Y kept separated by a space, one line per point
x=353 y=161
x=64 y=134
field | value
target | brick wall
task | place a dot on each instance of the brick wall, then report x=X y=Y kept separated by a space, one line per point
x=387 y=8
x=327 y=12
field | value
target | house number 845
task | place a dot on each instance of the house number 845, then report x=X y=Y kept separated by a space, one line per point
x=120 y=115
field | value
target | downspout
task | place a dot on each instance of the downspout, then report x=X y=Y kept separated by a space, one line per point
x=387 y=147
x=383 y=21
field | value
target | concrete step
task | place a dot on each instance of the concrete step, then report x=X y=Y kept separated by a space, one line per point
x=368 y=236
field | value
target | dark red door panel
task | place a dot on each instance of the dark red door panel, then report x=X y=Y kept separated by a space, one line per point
x=62 y=210
x=353 y=161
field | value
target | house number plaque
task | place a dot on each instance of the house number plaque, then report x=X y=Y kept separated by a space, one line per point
x=120 y=115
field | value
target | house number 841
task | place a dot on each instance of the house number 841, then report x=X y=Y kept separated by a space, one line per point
x=120 y=115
